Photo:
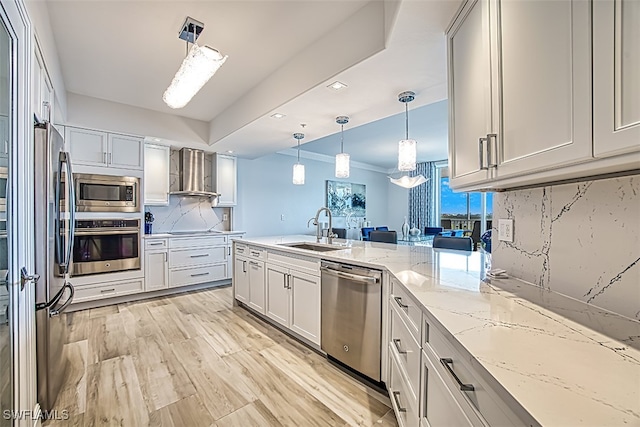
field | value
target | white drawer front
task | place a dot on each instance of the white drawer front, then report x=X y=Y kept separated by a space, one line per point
x=482 y=398
x=195 y=275
x=242 y=250
x=408 y=308
x=257 y=253
x=187 y=257
x=407 y=351
x=107 y=290
x=197 y=242
x=406 y=414
x=156 y=243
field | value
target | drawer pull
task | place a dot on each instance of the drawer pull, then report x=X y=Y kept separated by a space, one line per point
x=396 y=395
x=255 y=253
x=253 y=263
x=447 y=362
x=200 y=256
x=200 y=274
x=240 y=250
x=396 y=342
x=399 y=302
x=104 y=291
x=155 y=244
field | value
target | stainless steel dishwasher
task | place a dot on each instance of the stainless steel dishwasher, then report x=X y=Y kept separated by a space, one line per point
x=352 y=316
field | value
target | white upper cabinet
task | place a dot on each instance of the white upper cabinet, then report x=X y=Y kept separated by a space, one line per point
x=97 y=148
x=156 y=174
x=616 y=77
x=469 y=93
x=542 y=91
x=225 y=177
x=42 y=90
x=126 y=152
x=87 y=147
x=519 y=95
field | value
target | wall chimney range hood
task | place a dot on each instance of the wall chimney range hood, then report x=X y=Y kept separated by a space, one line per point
x=191 y=167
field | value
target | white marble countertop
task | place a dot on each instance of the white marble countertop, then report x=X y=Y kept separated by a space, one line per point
x=565 y=362
x=194 y=233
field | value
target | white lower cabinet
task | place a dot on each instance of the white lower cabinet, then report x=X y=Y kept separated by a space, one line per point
x=256 y=286
x=156 y=270
x=241 y=279
x=197 y=260
x=293 y=300
x=439 y=406
x=107 y=290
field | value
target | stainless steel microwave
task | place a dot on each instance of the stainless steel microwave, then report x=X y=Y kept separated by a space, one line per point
x=106 y=193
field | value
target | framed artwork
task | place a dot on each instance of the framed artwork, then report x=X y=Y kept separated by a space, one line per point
x=346 y=197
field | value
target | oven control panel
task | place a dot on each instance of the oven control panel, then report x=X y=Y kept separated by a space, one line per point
x=107 y=223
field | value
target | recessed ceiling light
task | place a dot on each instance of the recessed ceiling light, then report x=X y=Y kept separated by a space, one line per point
x=230 y=151
x=337 y=85
x=156 y=139
x=277 y=115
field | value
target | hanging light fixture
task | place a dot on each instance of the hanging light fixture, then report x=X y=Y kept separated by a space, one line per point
x=342 y=159
x=407 y=148
x=200 y=64
x=298 y=168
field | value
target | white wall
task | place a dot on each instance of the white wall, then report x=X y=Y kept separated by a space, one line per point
x=85 y=111
x=265 y=192
x=397 y=206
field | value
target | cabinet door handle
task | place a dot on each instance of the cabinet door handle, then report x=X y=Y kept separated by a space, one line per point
x=396 y=342
x=110 y=158
x=165 y=257
x=396 y=395
x=492 y=137
x=104 y=157
x=200 y=256
x=447 y=362
x=229 y=250
x=288 y=281
x=200 y=274
x=399 y=302
x=481 y=142
x=284 y=280
x=244 y=266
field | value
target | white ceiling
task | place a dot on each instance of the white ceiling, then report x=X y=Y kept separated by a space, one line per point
x=282 y=54
x=376 y=143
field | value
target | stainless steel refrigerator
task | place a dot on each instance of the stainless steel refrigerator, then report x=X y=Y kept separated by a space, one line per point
x=54 y=233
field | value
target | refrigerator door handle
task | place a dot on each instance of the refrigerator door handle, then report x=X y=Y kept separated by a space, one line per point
x=56 y=299
x=72 y=208
x=58 y=219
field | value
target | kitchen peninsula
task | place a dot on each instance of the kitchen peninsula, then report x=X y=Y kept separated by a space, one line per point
x=535 y=357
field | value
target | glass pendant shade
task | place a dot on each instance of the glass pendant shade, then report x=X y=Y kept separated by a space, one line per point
x=409 y=182
x=200 y=64
x=407 y=153
x=342 y=165
x=298 y=174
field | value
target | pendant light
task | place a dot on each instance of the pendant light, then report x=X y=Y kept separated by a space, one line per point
x=342 y=159
x=298 y=168
x=407 y=148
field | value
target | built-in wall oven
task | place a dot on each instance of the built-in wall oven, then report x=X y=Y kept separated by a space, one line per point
x=106 y=193
x=106 y=246
x=4 y=179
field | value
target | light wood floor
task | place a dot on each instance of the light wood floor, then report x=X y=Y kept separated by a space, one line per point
x=194 y=360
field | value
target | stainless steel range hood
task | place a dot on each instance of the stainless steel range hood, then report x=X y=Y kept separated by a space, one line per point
x=192 y=174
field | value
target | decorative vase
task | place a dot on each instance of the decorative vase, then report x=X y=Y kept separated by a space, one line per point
x=414 y=231
x=405 y=228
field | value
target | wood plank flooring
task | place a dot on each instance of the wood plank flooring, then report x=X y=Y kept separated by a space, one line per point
x=194 y=360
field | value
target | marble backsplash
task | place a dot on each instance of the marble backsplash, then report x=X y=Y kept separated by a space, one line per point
x=581 y=240
x=189 y=213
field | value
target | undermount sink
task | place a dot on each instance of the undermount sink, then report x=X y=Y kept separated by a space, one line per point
x=313 y=247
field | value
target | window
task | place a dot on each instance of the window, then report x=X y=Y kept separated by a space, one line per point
x=460 y=210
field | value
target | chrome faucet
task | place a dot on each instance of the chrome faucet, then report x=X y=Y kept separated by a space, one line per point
x=330 y=234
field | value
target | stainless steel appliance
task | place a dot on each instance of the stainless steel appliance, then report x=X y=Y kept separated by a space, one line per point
x=192 y=174
x=4 y=179
x=54 y=219
x=106 y=193
x=105 y=246
x=352 y=316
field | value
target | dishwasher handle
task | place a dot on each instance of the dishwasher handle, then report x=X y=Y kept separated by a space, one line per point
x=351 y=276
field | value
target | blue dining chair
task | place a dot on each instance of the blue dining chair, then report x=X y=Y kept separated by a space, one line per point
x=365 y=232
x=432 y=231
x=383 y=228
